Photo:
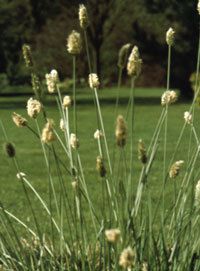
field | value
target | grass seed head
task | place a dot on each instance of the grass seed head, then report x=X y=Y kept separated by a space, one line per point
x=47 y=132
x=93 y=80
x=98 y=134
x=168 y=97
x=127 y=257
x=122 y=58
x=170 y=35
x=51 y=81
x=19 y=120
x=62 y=125
x=100 y=166
x=175 y=169
x=121 y=131
x=27 y=54
x=112 y=235
x=74 y=43
x=9 y=149
x=134 y=65
x=83 y=17
x=67 y=101
x=188 y=117
x=34 y=107
x=74 y=142
x=142 y=152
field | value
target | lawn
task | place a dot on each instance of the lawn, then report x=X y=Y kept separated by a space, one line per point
x=29 y=154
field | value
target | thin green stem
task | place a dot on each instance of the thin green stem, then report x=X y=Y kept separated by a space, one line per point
x=132 y=104
x=103 y=130
x=74 y=95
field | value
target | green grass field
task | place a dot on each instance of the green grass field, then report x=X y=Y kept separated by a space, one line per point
x=29 y=154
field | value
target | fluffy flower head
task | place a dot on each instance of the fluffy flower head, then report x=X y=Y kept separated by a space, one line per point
x=74 y=44
x=188 y=117
x=170 y=36
x=93 y=80
x=175 y=168
x=168 y=97
x=47 y=132
x=33 y=107
x=51 y=81
x=112 y=235
x=67 y=101
x=98 y=134
x=126 y=259
x=83 y=17
x=19 y=120
x=134 y=65
x=74 y=142
x=121 y=131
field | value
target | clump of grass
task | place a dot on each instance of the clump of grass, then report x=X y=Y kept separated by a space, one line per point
x=128 y=230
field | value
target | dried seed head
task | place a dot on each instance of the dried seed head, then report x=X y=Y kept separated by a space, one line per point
x=93 y=80
x=175 y=168
x=27 y=54
x=100 y=167
x=134 y=65
x=112 y=235
x=121 y=131
x=9 y=149
x=19 y=120
x=127 y=257
x=67 y=101
x=142 y=152
x=98 y=134
x=197 y=194
x=34 y=107
x=62 y=125
x=198 y=7
x=83 y=17
x=123 y=53
x=20 y=175
x=188 y=117
x=168 y=97
x=74 y=142
x=74 y=43
x=51 y=81
x=47 y=132
x=170 y=36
